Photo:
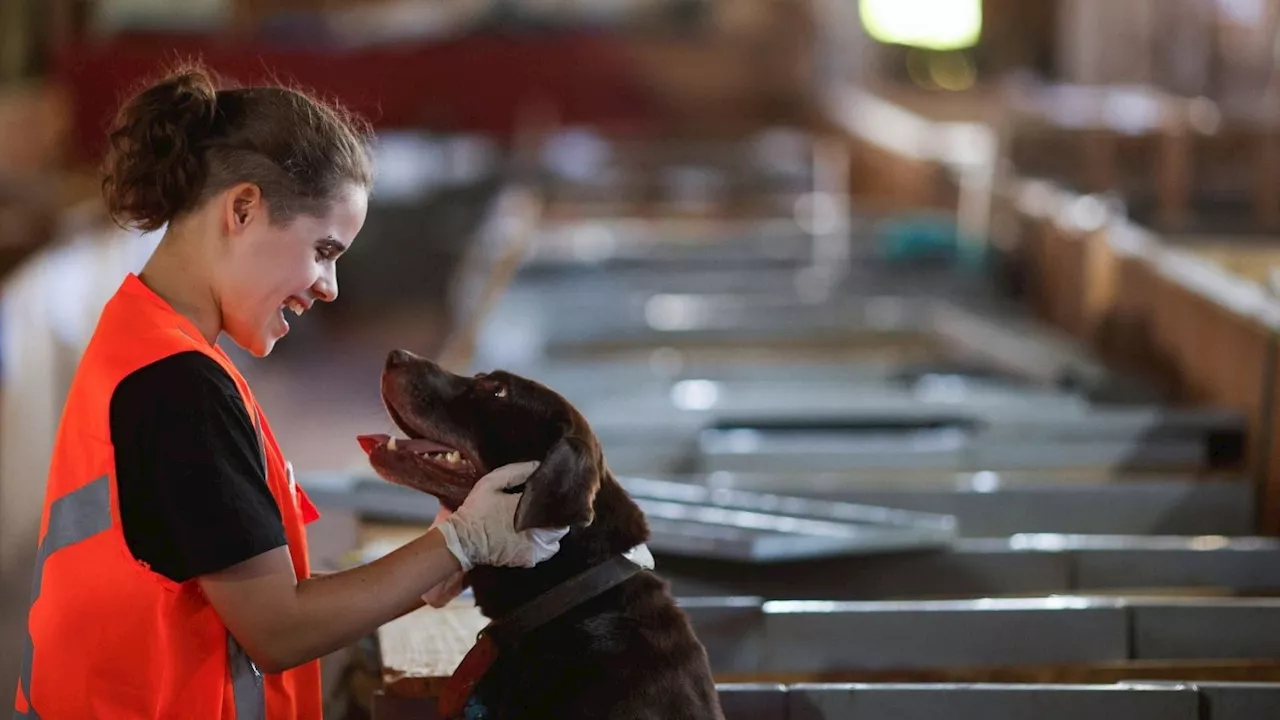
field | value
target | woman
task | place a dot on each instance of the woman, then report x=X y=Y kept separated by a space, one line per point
x=172 y=578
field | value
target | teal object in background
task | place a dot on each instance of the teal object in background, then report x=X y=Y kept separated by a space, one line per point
x=912 y=238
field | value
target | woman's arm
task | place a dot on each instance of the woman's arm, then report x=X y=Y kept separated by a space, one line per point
x=282 y=623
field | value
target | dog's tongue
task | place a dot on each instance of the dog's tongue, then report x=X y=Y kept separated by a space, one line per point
x=369 y=443
x=372 y=442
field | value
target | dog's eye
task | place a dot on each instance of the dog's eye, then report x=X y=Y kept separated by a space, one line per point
x=492 y=387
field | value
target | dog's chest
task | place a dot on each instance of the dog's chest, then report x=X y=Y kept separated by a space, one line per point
x=556 y=672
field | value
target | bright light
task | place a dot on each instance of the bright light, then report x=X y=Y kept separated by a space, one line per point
x=929 y=24
x=695 y=394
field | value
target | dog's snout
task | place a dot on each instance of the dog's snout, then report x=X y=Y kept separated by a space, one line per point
x=400 y=358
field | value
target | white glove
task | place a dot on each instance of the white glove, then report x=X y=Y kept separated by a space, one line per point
x=482 y=531
x=445 y=592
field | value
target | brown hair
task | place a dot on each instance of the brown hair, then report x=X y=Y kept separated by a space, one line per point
x=181 y=140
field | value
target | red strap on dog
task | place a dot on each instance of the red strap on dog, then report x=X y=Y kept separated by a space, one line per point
x=453 y=701
x=535 y=613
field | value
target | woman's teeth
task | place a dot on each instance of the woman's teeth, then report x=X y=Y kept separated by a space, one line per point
x=295 y=305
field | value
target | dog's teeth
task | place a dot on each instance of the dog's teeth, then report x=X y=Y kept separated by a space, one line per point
x=453 y=457
x=391 y=444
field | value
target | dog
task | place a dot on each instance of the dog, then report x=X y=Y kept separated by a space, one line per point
x=626 y=653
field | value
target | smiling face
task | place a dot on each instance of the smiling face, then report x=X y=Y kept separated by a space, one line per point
x=271 y=269
x=459 y=428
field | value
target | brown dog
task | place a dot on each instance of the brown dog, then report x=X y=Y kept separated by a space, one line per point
x=626 y=652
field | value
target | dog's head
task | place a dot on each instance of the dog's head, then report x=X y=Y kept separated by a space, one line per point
x=460 y=428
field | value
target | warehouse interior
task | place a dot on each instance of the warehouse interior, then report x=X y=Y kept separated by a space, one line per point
x=889 y=314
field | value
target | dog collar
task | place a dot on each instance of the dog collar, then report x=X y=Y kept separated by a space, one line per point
x=641 y=556
x=506 y=631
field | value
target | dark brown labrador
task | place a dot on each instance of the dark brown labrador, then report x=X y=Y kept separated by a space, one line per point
x=626 y=653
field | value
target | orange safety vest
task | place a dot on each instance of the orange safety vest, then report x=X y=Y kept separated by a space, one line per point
x=107 y=637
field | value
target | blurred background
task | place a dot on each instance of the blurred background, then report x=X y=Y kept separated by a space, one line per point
x=983 y=288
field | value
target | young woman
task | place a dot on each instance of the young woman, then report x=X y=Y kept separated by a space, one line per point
x=172 y=577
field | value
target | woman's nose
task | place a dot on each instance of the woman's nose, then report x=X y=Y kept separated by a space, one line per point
x=326 y=288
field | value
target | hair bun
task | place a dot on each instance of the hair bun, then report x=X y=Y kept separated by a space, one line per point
x=155 y=167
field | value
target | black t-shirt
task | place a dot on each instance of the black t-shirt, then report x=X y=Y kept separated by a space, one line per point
x=193 y=491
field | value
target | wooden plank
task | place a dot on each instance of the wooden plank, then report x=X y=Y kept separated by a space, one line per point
x=421 y=650
x=1126 y=336
x=1173 y=172
x=1269 y=492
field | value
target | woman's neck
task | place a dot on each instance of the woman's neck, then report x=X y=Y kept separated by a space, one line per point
x=179 y=275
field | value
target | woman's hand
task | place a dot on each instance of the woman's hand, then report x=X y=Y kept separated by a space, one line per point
x=482 y=531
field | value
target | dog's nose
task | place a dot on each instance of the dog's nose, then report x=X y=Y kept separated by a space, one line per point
x=398 y=358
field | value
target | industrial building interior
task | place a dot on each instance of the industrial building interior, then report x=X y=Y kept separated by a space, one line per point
x=884 y=311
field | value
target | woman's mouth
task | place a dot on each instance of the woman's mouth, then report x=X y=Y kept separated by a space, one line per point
x=296 y=305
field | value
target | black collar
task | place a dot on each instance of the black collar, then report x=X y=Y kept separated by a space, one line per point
x=507 y=630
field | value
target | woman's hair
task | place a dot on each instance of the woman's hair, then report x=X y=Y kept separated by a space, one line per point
x=181 y=140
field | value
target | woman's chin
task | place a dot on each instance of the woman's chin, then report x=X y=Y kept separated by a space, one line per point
x=261 y=343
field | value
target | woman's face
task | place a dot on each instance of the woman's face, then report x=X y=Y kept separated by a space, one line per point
x=272 y=272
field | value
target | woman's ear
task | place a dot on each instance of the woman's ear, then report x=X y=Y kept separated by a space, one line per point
x=562 y=491
x=242 y=204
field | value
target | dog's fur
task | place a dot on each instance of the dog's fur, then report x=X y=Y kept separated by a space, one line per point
x=629 y=653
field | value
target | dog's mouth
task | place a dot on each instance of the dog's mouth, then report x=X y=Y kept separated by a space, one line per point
x=440 y=456
x=422 y=459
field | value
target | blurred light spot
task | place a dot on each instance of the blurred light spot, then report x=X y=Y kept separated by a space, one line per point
x=1132 y=113
x=941 y=388
x=1209 y=542
x=1203 y=115
x=932 y=24
x=742 y=441
x=577 y=155
x=672 y=312
x=952 y=71
x=986 y=481
x=817 y=213
x=695 y=394
x=1088 y=213
x=593 y=242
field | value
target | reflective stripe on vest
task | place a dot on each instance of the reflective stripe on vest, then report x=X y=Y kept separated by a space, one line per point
x=78 y=516
x=246 y=683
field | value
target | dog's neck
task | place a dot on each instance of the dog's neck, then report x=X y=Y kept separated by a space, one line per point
x=619 y=526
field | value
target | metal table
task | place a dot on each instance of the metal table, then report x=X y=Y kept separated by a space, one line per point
x=990 y=504
x=750 y=528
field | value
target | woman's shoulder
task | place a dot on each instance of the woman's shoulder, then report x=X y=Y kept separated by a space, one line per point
x=184 y=376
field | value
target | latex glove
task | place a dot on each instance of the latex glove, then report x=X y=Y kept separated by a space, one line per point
x=482 y=531
x=445 y=592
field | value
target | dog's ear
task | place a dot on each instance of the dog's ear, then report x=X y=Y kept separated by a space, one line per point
x=562 y=491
